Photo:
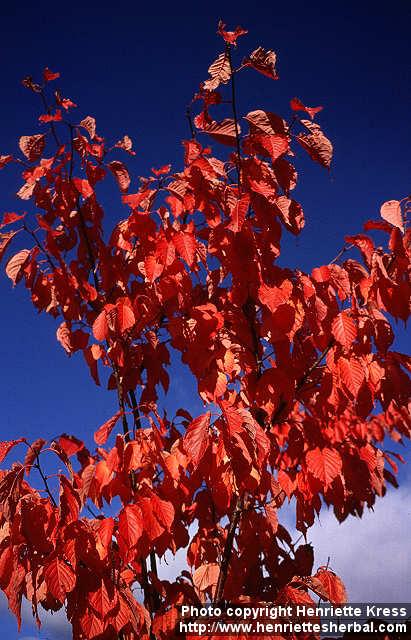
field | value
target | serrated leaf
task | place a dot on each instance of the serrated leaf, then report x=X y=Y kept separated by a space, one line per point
x=263 y=61
x=185 y=243
x=7 y=446
x=220 y=72
x=324 y=464
x=391 y=212
x=352 y=374
x=60 y=579
x=32 y=146
x=15 y=266
x=197 y=438
x=344 y=329
x=103 y=433
x=121 y=174
x=205 y=578
x=317 y=145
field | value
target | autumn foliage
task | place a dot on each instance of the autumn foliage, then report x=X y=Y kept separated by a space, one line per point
x=296 y=370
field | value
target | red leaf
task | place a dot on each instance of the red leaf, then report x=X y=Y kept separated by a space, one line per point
x=48 y=117
x=297 y=105
x=230 y=36
x=185 y=243
x=103 y=433
x=104 y=599
x=344 y=329
x=126 y=144
x=89 y=124
x=63 y=334
x=321 y=274
x=7 y=445
x=224 y=131
x=69 y=444
x=391 y=212
x=60 y=579
x=49 y=75
x=5 y=160
x=197 y=438
x=271 y=516
x=11 y=217
x=162 y=171
x=150 y=268
x=291 y=214
x=220 y=72
x=324 y=464
x=352 y=374
x=32 y=453
x=272 y=146
x=266 y=122
x=205 y=578
x=125 y=316
x=5 y=239
x=91 y=360
x=130 y=526
x=70 y=502
x=332 y=586
x=32 y=146
x=16 y=264
x=262 y=61
x=83 y=187
x=119 y=170
x=273 y=297
x=101 y=326
x=238 y=208
x=317 y=145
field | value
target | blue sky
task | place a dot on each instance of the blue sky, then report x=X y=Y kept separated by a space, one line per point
x=135 y=70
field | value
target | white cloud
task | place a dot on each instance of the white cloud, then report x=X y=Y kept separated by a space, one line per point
x=372 y=555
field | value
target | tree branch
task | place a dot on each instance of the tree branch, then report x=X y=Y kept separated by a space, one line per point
x=228 y=548
x=235 y=116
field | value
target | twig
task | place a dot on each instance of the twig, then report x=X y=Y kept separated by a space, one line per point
x=283 y=404
x=40 y=246
x=43 y=477
x=190 y=123
x=345 y=248
x=235 y=116
x=228 y=548
x=48 y=109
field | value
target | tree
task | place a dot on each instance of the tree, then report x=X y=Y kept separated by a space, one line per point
x=296 y=371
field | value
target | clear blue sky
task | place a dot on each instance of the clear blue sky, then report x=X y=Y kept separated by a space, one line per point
x=135 y=69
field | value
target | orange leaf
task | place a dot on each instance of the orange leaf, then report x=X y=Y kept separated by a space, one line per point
x=206 y=577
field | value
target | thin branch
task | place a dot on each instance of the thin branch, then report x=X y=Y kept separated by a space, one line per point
x=48 y=110
x=345 y=248
x=190 y=123
x=43 y=477
x=307 y=374
x=136 y=412
x=283 y=404
x=88 y=246
x=228 y=548
x=40 y=246
x=235 y=115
